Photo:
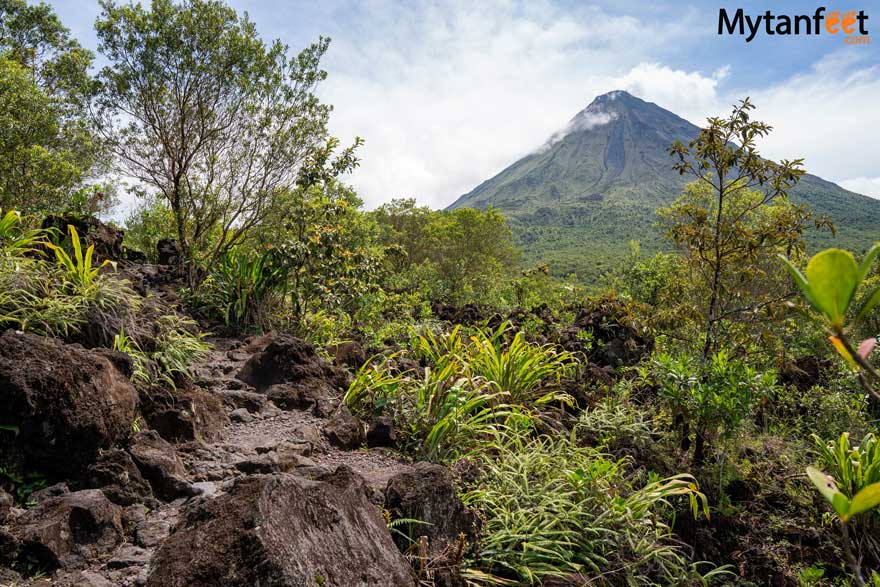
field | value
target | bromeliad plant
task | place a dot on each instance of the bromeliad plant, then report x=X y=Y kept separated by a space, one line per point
x=79 y=270
x=853 y=490
x=15 y=242
x=519 y=368
x=242 y=289
x=829 y=284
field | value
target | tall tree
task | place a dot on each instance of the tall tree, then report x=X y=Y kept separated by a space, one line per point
x=733 y=219
x=47 y=138
x=204 y=113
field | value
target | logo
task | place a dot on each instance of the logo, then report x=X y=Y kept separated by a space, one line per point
x=850 y=25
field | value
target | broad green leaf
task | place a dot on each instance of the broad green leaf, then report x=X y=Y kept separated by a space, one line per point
x=866 y=499
x=828 y=488
x=832 y=276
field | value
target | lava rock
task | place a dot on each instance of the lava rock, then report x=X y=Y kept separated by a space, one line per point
x=183 y=414
x=344 y=430
x=282 y=530
x=92 y=232
x=426 y=492
x=119 y=478
x=67 y=402
x=69 y=532
x=314 y=395
x=381 y=432
x=160 y=465
x=288 y=359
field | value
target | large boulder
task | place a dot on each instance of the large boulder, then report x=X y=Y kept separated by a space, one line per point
x=183 y=414
x=159 y=464
x=118 y=477
x=426 y=492
x=92 y=232
x=67 y=403
x=344 y=430
x=288 y=359
x=70 y=531
x=282 y=531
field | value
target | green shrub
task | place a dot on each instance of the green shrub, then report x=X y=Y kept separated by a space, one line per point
x=519 y=369
x=710 y=401
x=554 y=509
x=243 y=291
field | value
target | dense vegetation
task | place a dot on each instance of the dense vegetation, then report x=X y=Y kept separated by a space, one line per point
x=668 y=426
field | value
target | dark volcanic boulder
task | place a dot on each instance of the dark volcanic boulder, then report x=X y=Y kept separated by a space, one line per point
x=67 y=403
x=381 y=432
x=426 y=492
x=159 y=464
x=183 y=414
x=608 y=334
x=168 y=252
x=70 y=531
x=118 y=477
x=288 y=359
x=314 y=395
x=282 y=531
x=106 y=239
x=804 y=372
x=344 y=430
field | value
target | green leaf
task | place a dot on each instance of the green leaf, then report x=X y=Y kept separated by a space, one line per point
x=828 y=488
x=866 y=262
x=800 y=280
x=866 y=499
x=870 y=303
x=833 y=276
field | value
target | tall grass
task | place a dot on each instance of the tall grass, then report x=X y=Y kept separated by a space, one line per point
x=518 y=368
x=469 y=390
x=552 y=509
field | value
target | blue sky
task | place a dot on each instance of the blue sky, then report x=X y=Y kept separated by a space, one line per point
x=447 y=93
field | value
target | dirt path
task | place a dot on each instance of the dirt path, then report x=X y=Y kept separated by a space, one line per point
x=260 y=438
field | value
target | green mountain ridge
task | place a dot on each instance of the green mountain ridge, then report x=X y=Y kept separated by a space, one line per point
x=576 y=202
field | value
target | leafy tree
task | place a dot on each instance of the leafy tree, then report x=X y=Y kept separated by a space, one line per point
x=48 y=144
x=214 y=120
x=731 y=221
x=323 y=243
x=455 y=255
x=147 y=224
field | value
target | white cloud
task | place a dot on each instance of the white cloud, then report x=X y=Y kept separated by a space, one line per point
x=869 y=186
x=828 y=116
x=690 y=94
x=448 y=94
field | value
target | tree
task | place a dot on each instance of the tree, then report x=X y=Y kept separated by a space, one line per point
x=204 y=113
x=456 y=255
x=732 y=220
x=48 y=143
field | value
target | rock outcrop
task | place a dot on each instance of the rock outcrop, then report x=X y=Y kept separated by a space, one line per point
x=66 y=532
x=65 y=404
x=282 y=530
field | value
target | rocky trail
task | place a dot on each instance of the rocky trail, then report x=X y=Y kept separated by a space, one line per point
x=252 y=475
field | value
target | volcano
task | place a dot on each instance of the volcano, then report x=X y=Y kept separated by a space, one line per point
x=577 y=201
